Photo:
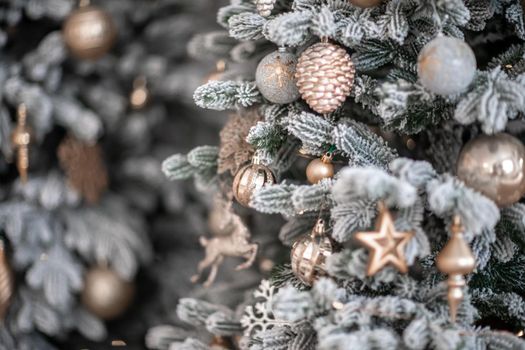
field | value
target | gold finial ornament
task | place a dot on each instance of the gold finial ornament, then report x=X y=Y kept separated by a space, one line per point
x=140 y=94
x=320 y=168
x=21 y=137
x=309 y=254
x=251 y=178
x=386 y=244
x=455 y=260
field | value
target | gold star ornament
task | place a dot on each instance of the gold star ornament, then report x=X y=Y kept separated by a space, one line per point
x=386 y=245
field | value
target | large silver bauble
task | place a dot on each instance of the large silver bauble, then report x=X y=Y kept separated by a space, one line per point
x=275 y=77
x=495 y=166
x=446 y=66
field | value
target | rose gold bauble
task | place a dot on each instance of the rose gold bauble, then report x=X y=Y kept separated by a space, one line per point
x=309 y=254
x=365 y=3
x=105 y=294
x=495 y=166
x=250 y=179
x=89 y=32
x=325 y=76
x=318 y=169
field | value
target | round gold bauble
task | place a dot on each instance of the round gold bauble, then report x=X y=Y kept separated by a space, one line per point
x=309 y=255
x=365 y=3
x=89 y=32
x=250 y=179
x=495 y=166
x=105 y=294
x=325 y=76
x=318 y=169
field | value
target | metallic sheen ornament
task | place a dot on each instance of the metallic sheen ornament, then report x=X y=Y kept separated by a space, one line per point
x=365 y=3
x=275 y=77
x=386 y=245
x=265 y=7
x=236 y=244
x=455 y=260
x=251 y=178
x=140 y=94
x=495 y=166
x=89 y=32
x=20 y=138
x=446 y=65
x=320 y=168
x=325 y=76
x=309 y=254
x=105 y=294
x=6 y=282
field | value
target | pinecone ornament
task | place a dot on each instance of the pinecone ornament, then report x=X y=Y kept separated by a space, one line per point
x=265 y=7
x=325 y=76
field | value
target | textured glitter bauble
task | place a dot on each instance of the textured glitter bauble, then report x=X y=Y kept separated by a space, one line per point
x=446 y=66
x=318 y=169
x=105 y=294
x=325 y=76
x=275 y=77
x=250 y=179
x=365 y=3
x=309 y=254
x=89 y=32
x=495 y=166
x=264 y=7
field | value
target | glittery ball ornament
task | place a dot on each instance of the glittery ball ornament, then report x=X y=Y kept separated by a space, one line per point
x=495 y=166
x=446 y=66
x=89 y=32
x=309 y=254
x=249 y=179
x=365 y=3
x=325 y=75
x=105 y=294
x=264 y=7
x=320 y=168
x=275 y=77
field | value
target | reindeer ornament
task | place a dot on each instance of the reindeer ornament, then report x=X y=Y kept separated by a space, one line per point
x=236 y=244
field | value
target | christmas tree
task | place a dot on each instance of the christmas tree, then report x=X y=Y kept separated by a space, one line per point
x=388 y=134
x=93 y=97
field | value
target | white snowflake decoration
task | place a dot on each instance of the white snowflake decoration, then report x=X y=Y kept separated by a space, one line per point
x=259 y=317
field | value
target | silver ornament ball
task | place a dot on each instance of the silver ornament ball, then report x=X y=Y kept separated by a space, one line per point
x=275 y=77
x=495 y=166
x=446 y=66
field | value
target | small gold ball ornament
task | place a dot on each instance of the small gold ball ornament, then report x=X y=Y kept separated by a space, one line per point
x=320 y=168
x=140 y=94
x=366 y=3
x=309 y=254
x=251 y=178
x=89 y=32
x=455 y=260
x=495 y=166
x=325 y=76
x=105 y=294
x=20 y=139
